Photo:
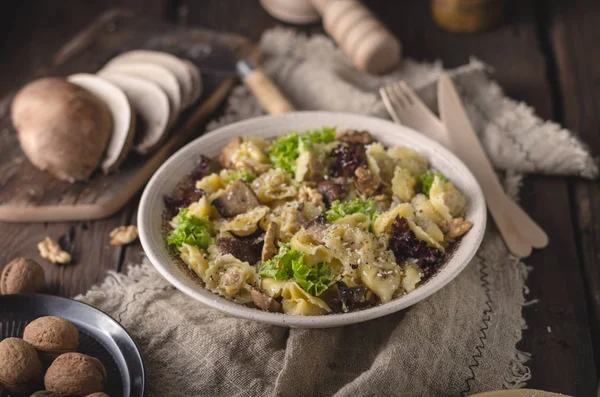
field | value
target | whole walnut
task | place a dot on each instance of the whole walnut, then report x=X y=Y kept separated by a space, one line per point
x=51 y=336
x=75 y=375
x=45 y=393
x=20 y=276
x=20 y=367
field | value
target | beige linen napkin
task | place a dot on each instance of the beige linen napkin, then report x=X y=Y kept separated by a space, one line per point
x=458 y=342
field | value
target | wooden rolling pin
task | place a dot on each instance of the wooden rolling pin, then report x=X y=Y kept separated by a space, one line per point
x=365 y=40
x=370 y=45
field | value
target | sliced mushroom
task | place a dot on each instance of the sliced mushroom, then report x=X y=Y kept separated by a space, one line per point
x=227 y=152
x=270 y=247
x=154 y=73
x=123 y=116
x=237 y=199
x=365 y=181
x=330 y=190
x=354 y=136
x=175 y=65
x=196 y=80
x=265 y=302
x=245 y=249
x=151 y=104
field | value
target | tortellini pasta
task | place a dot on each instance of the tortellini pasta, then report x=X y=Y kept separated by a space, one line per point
x=311 y=224
x=290 y=217
x=380 y=163
x=358 y=220
x=243 y=224
x=251 y=155
x=446 y=200
x=403 y=184
x=315 y=253
x=299 y=302
x=383 y=223
x=274 y=184
x=409 y=159
x=230 y=277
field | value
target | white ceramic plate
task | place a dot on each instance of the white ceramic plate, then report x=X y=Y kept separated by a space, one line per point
x=164 y=181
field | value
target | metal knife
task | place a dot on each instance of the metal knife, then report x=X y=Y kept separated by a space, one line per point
x=519 y=231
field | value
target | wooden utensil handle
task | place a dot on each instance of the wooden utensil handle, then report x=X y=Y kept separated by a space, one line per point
x=267 y=93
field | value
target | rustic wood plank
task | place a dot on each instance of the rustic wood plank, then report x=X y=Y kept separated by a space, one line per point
x=574 y=33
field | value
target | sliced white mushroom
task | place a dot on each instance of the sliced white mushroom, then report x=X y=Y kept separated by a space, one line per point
x=166 y=60
x=151 y=105
x=196 y=79
x=154 y=73
x=123 y=115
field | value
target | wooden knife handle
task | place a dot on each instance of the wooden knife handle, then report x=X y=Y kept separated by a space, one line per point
x=267 y=93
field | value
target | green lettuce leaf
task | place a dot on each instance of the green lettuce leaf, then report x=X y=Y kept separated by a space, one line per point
x=426 y=180
x=280 y=267
x=191 y=230
x=340 y=209
x=314 y=280
x=246 y=176
x=289 y=264
x=285 y=150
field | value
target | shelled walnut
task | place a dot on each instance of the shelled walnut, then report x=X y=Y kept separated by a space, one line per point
x=123 y=235
x=49 y=249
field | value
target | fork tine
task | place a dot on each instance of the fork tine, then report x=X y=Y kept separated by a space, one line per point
x=414 y=98
x=391 y=103
x=400 y=91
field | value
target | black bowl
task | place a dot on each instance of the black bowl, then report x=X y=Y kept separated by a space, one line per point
x=99 y=336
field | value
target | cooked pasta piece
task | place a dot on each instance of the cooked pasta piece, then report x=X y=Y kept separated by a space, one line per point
x=446 y=200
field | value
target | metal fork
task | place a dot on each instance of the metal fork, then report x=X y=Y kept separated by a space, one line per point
x=406 y=108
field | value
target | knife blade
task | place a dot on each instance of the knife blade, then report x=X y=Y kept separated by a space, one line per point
x=518 y=229
x=225 y=64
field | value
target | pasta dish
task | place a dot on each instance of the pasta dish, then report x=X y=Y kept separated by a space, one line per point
x=314 y=223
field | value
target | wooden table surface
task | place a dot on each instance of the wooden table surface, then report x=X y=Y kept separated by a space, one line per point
x=544 y=54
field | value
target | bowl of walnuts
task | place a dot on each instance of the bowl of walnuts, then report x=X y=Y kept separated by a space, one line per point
x=58 y=347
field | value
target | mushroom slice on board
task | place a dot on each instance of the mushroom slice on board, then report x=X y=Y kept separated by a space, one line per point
x=121 y=139
x=154 y=73
x=196 y=79
x=151 y=105
x=171 y=62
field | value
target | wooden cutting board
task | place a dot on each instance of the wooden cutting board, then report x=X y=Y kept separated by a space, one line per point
x=30 y=195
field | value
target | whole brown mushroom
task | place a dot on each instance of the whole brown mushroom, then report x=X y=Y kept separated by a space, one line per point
x=20 y=367
x=51 y=336
x=20 y=276
x=62 y=128
x=75 y=375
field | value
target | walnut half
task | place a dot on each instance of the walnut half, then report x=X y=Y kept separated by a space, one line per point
x=123 y=235
x=455 y=228
x=50 y=250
